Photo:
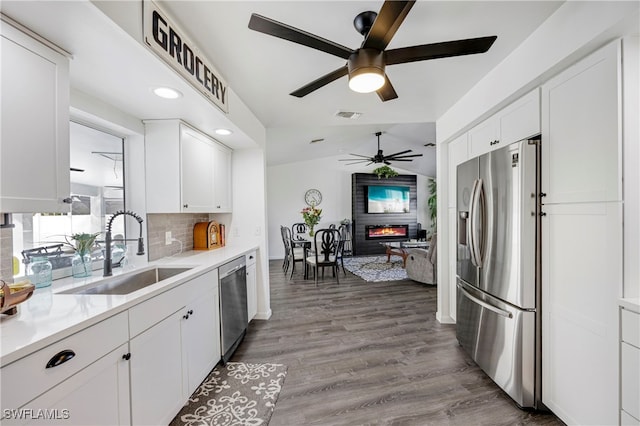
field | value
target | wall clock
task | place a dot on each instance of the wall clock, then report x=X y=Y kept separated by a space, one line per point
x=312 y=197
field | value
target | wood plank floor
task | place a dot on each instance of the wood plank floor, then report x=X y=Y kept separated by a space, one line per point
x=363 y=353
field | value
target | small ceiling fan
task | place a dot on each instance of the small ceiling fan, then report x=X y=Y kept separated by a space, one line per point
x=366 y=65
x=381 y=158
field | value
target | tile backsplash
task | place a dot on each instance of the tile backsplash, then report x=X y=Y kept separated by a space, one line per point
x=6 y=254
x=181 y=227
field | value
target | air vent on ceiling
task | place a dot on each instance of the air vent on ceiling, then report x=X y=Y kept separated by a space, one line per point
x=348 y=114
x=316 y=140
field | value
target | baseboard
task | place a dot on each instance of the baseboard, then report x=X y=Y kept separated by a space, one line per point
x=263 y=315
x=444 y=319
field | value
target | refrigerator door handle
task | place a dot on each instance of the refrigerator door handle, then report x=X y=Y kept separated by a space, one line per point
x=470 y=227
x=486 y=305
x=477 y=215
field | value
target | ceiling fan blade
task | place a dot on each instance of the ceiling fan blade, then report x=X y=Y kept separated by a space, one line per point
x=398 y=153
x=395 y=159
x=406 y=156
x=439 y=50
x=387 y=92
x=387 y=163
x=389 y=19
x=356 y=159
x=278 y=29
x=318 y=83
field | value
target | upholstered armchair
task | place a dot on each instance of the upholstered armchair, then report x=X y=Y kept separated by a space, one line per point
x=421 y=263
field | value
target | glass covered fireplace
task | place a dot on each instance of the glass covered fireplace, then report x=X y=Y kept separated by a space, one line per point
x=383 y=232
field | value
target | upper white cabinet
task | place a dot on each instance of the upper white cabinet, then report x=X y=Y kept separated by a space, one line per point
x=581 y=131
x=34 y=142
x=222 y=179
x=186 y=170
x=518 y=121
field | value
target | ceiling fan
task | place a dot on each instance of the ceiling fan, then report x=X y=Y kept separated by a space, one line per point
x=381 y=158
x=365 y=66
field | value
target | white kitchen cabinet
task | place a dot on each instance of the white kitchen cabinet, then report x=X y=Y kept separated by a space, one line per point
x=222 y=179
x=90 y=360
x=158 y=387
x=97 y=395
x=518 y=121
x=175 y=344
x=34 y=141
x=581 y=131
x=186 y=171
x=252 y=290
x=581 y=285
x=201 y=329
x=630 y=365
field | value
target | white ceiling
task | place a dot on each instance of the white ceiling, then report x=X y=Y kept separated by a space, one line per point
x=263 y=70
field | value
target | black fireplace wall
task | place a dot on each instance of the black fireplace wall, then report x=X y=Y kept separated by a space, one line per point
x=359 y=184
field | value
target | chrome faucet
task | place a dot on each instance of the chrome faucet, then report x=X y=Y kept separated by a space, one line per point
x=108 y=267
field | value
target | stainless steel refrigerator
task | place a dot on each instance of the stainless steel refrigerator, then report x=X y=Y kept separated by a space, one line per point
x=498 y=252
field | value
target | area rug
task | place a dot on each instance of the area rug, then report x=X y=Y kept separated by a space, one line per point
x=376 y=268
x=235 y=394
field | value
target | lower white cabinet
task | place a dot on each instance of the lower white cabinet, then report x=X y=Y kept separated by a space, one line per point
x=172 y=357
x=97 y=395
x=201 y=338
x=252 y=290
x=89 y=359
x=157 y=387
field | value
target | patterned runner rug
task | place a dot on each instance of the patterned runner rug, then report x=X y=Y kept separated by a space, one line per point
x=235 y=394
x=376 y=268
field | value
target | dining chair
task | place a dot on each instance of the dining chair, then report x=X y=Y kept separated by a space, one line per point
x=285 y=260
x=326 y=246
x=342 y=229
x=294 y=253
x=299 y=231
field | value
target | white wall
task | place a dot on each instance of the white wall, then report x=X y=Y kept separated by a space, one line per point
x=572 y=32
x=286 y=185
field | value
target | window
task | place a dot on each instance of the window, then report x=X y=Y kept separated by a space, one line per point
x=97 y=192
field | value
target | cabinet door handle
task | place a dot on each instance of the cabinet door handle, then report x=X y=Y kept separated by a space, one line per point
x=60 y=358
x=186 y=316
x=67 y=200
x=190 y=311
x=127 y=356
x=185 y=206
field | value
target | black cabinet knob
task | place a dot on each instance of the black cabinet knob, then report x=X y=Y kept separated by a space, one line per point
x=126 y=356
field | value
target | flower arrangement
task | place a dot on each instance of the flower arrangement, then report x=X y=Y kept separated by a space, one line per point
x=311 y=216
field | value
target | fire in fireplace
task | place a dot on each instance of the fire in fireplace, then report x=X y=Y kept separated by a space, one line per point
x=382 y=232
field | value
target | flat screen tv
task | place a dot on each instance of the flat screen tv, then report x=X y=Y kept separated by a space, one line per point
x=387 y=199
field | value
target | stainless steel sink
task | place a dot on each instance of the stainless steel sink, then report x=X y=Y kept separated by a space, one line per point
x=125 y=284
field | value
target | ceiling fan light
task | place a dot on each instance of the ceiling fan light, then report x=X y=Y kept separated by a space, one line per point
x=366 y=81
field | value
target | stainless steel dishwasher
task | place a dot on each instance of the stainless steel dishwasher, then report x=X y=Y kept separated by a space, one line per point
x=233 y=305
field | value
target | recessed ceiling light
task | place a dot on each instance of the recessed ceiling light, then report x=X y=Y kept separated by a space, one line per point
x=223 y=132
x=167 y=92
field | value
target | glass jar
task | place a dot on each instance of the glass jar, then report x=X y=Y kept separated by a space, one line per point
x=39 y=271
x=81 y=265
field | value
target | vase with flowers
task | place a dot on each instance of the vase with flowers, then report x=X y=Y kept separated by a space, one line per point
x=82 y=243
x=311 y=216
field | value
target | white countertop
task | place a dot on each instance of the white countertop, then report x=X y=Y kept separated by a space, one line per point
x=630 y=303
x=49 y=316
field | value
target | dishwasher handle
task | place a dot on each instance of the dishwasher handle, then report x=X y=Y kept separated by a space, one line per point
x=232 y=271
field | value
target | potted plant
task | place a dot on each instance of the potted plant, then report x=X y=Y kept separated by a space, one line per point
x=81 y=243
x=385 y=172
x=432 y=203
